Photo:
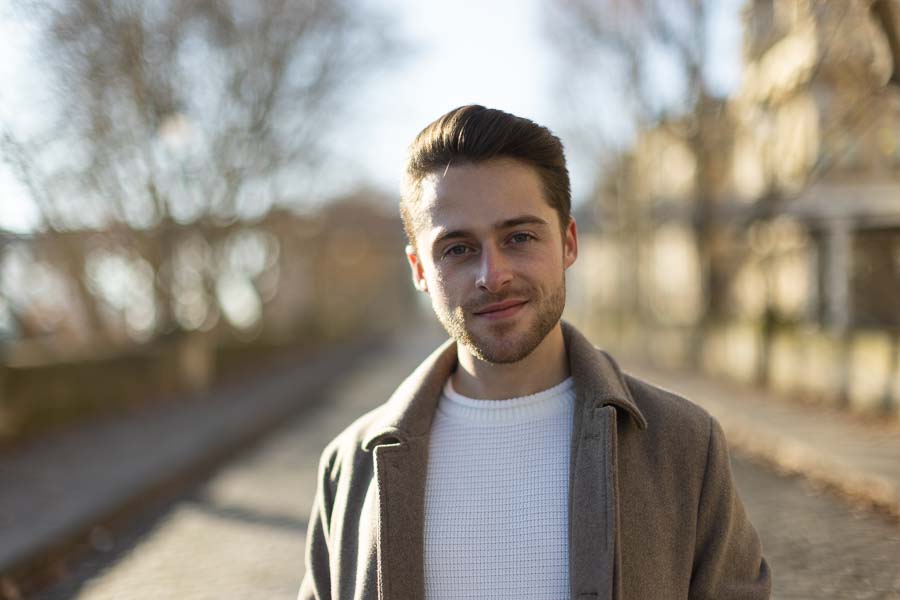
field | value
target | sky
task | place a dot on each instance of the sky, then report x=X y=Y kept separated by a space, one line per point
x=465 y=52
x=20 y=85
x=490 y=52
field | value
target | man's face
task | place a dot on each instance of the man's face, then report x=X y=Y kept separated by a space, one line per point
x=491 y=254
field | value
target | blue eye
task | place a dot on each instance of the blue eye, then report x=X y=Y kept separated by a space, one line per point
x=521 y=238
x=456 y=250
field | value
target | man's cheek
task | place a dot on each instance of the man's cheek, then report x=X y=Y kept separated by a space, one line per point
x=440 y=299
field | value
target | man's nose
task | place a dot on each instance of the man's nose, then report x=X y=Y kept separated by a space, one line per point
x=494 y=272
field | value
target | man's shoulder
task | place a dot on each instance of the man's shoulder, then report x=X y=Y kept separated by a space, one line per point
x=679 y=438
x=662 y=405
x=352 y=438
x=406 y=414
x=660 y=408
x=675 y=424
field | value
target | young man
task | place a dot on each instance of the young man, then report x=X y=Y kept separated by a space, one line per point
x=518 y=461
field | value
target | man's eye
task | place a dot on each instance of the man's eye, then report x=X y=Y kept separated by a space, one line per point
x=457 y=250
x=521 y=238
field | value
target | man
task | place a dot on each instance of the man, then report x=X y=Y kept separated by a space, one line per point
x=518 y=461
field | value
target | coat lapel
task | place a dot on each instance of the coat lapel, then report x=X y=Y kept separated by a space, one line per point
x=592 y=506
x=399 y=442
x=594 y=553
x=401 y=471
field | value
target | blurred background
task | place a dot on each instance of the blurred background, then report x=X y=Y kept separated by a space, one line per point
x=171 y=201
x=747 y=224
x=199 y=196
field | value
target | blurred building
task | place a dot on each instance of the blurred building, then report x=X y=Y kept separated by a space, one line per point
x=819 y=132
x=759 y=237
x=104 y=319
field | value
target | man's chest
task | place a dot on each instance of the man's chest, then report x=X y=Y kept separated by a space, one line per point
x=496 y=510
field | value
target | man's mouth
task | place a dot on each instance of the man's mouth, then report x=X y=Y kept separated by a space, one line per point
x=500 y=310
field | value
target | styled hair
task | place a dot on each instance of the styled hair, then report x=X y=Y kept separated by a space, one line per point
x=474 y=134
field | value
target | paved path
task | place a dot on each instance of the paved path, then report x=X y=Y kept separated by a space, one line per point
x=241 y=534
x=818 y=546
x=54 y=490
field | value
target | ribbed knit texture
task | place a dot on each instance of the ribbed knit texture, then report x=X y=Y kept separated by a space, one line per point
x=496 y=497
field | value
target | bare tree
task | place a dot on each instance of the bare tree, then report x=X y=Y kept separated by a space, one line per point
x=621 y=38
x=847 y=80
x=67 y=257
x=174 y=113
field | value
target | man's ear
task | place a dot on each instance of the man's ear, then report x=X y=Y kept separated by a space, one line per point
x=570 y=243
x=415 y=266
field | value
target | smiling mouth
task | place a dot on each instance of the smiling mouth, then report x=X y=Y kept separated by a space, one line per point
x=501 y=310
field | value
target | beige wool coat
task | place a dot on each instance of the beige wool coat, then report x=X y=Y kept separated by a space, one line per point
x=653 y=511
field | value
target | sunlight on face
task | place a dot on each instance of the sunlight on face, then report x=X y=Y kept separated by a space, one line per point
x=492 y=258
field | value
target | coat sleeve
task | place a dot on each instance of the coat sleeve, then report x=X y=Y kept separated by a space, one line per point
x=728 y=561
x=316 y=583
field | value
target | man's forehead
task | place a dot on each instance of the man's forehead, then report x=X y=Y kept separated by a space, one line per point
x=428 y=192
x=474 y=198
x=477 y=194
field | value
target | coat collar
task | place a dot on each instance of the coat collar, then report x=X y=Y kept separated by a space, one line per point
x=399 y=438
x=409 y=411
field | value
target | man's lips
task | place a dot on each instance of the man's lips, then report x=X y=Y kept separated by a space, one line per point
x=500 y=309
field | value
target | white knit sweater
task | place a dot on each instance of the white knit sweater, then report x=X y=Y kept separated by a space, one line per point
x=496 y=497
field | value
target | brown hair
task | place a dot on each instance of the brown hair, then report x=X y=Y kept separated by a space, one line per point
x=474 y=134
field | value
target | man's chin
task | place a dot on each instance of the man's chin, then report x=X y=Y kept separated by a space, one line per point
x=501 y=349
x=504 y=341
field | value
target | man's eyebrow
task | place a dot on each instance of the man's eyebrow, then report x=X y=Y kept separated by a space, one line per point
x=522 y=220
x=505 y=224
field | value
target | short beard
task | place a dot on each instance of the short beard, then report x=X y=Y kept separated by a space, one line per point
x=506 y=351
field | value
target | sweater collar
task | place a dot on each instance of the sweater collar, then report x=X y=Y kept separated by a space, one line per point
x=409 y=411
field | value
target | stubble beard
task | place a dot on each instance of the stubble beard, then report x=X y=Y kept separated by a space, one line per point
x=498 y=343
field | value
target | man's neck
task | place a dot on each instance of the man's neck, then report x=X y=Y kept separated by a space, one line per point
x=545 y=367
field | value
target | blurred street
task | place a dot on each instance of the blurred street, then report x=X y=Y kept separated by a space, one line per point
x=240 y=534
x=817 y=546
x=202 y=278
